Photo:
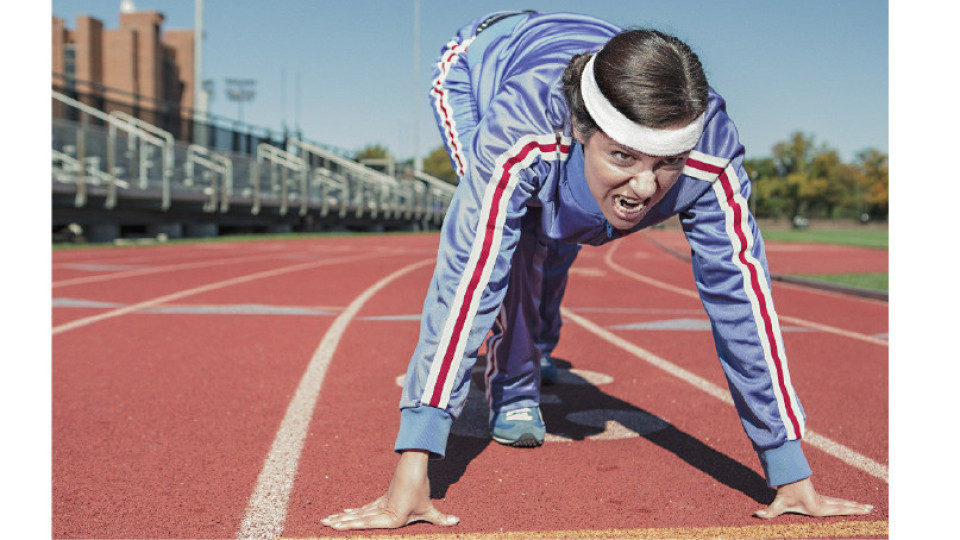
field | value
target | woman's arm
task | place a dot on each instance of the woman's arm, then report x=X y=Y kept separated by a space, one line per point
x=730 y=270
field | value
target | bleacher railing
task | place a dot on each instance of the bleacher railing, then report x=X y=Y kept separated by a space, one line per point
x=280 y=165
x=91 y=147
x=212 y=166
x=355 y=187
x=437 y=196
x=118 y=153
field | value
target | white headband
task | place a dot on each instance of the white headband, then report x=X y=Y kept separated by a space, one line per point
x=650 y=141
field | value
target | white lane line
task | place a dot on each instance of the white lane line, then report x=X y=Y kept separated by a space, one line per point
x=834 y=330
x=156 y=269
x=267 y=507
x=204 y=309
x=272 y=255
x=822 y=443
x=204 y=288
x=145 y=255
x=139 y=256
x=608 y=258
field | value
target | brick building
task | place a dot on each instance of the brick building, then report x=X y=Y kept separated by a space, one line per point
x=139 y=67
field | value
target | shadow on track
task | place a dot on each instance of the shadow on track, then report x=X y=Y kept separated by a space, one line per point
x=579 y=411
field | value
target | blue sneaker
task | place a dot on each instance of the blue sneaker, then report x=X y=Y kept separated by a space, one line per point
x=548 y=371
x=522 y=428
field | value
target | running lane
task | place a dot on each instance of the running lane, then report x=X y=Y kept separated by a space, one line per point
x=166 y=416
x=162 y=416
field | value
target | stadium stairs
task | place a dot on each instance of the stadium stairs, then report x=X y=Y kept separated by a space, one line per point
x=118 y=177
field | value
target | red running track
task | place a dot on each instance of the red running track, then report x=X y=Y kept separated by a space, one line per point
x=249 y=389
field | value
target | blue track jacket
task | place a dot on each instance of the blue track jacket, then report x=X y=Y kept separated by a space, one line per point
x=499 y=103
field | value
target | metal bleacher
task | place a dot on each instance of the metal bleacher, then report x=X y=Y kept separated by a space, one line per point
x=114 y=173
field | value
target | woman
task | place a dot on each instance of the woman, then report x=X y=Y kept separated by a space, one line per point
x=563 y=128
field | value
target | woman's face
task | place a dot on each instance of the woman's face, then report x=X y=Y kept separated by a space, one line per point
x=626 y=183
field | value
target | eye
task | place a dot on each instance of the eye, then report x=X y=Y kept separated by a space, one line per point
x=621 y=157
x=672 y=161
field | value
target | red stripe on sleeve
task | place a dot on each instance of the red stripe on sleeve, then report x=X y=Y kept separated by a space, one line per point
x=705 y=167
x=489 y=231
x=758 y=291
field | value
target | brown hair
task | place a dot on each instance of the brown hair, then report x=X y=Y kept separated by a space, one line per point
x=652 y=78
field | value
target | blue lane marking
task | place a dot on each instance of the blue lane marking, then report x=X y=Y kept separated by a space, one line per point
x=683 y=324
x=686 y=324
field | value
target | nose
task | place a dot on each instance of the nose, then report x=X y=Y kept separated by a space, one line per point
x=644 y=184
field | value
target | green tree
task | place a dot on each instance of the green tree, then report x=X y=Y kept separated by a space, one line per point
x=437 y=163
x=792 y=158
x=764 y=201
x=373 y=151
x=872 y=174
x=830 y=185
x=803 y=178
x=812 y=180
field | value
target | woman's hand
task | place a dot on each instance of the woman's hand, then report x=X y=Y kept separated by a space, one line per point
x=407 y=500
x=801 y=498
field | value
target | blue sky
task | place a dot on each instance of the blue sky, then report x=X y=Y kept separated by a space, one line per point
x=817 y=66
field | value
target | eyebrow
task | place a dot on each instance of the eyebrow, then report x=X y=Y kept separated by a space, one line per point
x=626 y=149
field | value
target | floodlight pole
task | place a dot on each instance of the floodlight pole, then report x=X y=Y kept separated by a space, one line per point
x=417 y=159
x=241 y=90
x=296 y=108
x=200 y=95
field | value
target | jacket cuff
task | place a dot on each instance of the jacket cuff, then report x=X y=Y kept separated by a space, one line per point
x=785 y=464
x=424 y=428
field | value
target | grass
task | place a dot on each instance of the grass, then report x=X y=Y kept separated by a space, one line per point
x=875 y=281
x=876 y=237
x=870 y=237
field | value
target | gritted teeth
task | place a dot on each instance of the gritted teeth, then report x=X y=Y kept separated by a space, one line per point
x=628 y=204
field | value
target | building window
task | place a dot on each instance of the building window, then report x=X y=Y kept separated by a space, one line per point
x=70 y=68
